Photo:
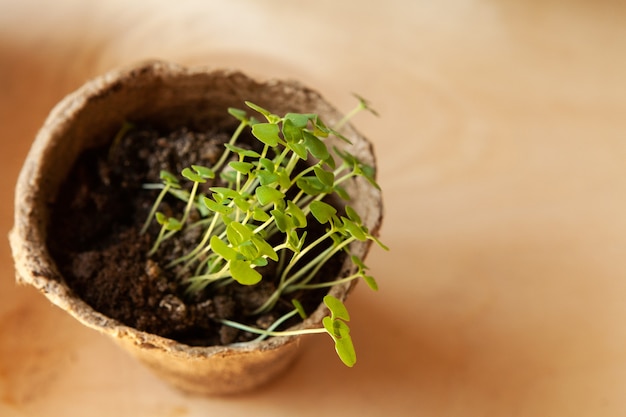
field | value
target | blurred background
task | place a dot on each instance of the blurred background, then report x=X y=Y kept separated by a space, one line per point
x=501 y=145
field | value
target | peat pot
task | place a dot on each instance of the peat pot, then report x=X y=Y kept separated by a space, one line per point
x=167 y=95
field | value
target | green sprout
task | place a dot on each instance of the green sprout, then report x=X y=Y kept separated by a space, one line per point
x=335 y=325
x=254 y=207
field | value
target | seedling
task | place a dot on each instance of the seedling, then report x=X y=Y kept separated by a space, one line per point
x=256 y=208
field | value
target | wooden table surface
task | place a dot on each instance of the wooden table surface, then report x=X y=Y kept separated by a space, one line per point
x=502 y=155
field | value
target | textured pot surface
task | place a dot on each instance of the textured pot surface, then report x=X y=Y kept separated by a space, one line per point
x=167 y=95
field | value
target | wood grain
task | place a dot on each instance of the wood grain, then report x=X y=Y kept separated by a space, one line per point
x=501 y=151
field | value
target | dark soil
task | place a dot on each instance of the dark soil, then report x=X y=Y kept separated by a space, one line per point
x=96 y=241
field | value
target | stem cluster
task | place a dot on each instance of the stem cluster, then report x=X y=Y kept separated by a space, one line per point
x=261 y=214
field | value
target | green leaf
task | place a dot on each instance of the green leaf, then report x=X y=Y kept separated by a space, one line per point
x=322 y=212
x=349 y=159
x=337 y=309
x=302 y=241
x=327 y=178
x=168 y=223
x=353 y=215
x=233 y=236
x=192 y=176
x=299 y=308
x=244 y=230
x=330 y=161
x=243 y=273
x=291 y=132
x=328 y=324
x=294 y=241
x=365 y=104
x=371 y=282
x=266 y=194
x=296 y=213
x=238 y=114
x=225 y=192
x=241 y=151
x=340 y=136
x=320 y=129
x=169 y=179
x=264 y=248
x=283 y=223
x=312 y=186
x=341 y=192
x=241 y=167
x=299 y=119
x=259 y=109
x=370 y=175
x=259 y=261
x=221 y=248
x=248 y=250
x=204 y=172
x=260 y=215
x=266 y=133
x=161 y=218
x=340 y=329
x=366 y=171
x=317 y=148
x=358 y=262
x=268 y=164
x=345 y=350
x=226 y=219
x=216 y=207
x=378 y=242
x=266 y=178
x=173 y=224
x=299 y=149
x=284 y=181
x=340 y=333
x=237 y=233
x=242 y=203
x=354 y=229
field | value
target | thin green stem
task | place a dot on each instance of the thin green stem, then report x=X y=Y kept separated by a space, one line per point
x=347 y=117
x=305 y=204
x=232 y=141
x=276 y=324
x=359 y=107
x=291 y=165
x=268 y=333
x=317 y=263
x=190 y=202
x=279 y=158
x=297 y=287
x=285 y=282
x=158 y=241
x=301 y=174
x=205 y=239
x=302 y=253
x=266 y=148
x=154 y=208
x=344 y=178
x=221 y=274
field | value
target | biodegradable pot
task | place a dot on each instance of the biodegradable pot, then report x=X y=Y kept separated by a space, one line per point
x=167 y=95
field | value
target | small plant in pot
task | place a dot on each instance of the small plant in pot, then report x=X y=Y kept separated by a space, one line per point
x=236 y=231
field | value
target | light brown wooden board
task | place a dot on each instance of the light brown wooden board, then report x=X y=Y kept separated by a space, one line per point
x=502 y=154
